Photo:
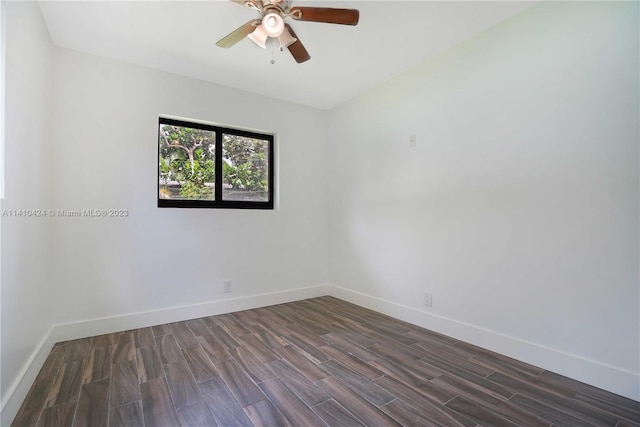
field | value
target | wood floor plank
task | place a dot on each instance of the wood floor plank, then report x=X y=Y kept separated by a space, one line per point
x=345 y=345
x=196 y=415
x=594 y=396
x=356 y=382
x=626 y=411
x=216 y=353
x=350 y=336
x=27 y=416
x=481 y=384
x=98 y=366
x=66 y=387
x=366 y=413
x=309 y=322
x=294 y=409
x=127 y=415
x=490 y=355
x=444 y=351
x=259 y=347
x=37 y=395
x=470 y=366
x=160 y=330
x=234 y=327
x=406 y=415
x=124 y=386
x=183 y=387
x=352 y=362
x=201 y=366
x=335 y=414
x=122 y=337
x=463 y=388
x=239 y=382
x=428 y=400
x=198 y=327
x=105 y=340
x=584 y=412
x=183 y=335
x=57 y=416
x=510 y=369
x=477 y=413
x=398 y=331
x=157 y=407
x=148 y=364
x=554 y=415
x=298 y=383
x=52 y=364
x=305 y=366
x=307 y=335
x=268 y=338
x=223 y=406
x=252 y=364
x=246 y=317
x=91 y=410
x=273 y=315
x=124 y=349
x=312 y=353
x=419 y=396
x=143 y=337
x=429 y=337
x=389 y=348
x=168 y=349
x=400 y=371
x=78 y=349
x=224 y=338
x=264 y=414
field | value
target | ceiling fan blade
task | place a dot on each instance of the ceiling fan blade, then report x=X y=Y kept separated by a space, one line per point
x=297 y=49
x=326 y=14
x=238 y=34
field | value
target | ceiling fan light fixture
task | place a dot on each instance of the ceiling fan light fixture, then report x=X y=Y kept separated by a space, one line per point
x=273 y=24
x=286 y=39
x=259 y=37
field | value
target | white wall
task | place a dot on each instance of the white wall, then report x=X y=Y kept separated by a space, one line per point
x=518 y=208
x=26 y=291
x=105 y=156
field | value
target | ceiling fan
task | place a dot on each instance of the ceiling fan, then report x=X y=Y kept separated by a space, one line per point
x=271 y=24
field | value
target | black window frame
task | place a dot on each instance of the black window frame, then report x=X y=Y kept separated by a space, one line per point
x=218 y=203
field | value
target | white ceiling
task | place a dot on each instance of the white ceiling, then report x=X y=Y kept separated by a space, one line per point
x=180 y=36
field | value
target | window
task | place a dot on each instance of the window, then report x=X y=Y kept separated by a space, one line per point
x=205 y=166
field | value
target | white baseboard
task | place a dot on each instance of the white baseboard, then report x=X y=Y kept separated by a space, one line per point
x=12 y=401
x=107 y=325
x=611 y=378
x=68 y=331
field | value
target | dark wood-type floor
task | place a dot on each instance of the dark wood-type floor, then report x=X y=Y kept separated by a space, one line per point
x=309 y=363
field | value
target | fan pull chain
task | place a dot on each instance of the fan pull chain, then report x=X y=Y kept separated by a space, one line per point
x=273 y=61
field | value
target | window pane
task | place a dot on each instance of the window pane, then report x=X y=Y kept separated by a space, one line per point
x=245 y=168
x=187 y=163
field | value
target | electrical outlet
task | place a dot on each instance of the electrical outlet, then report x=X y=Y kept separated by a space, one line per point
x=427 y=299
x=227 y=286
x=412 y=141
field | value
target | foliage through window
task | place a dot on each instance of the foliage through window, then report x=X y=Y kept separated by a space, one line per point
x=213 y=167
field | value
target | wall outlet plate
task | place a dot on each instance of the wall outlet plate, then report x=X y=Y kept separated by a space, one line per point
x=227 y=286
x=427 y=299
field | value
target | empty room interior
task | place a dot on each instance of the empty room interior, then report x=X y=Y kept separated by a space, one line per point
x=342 y=213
